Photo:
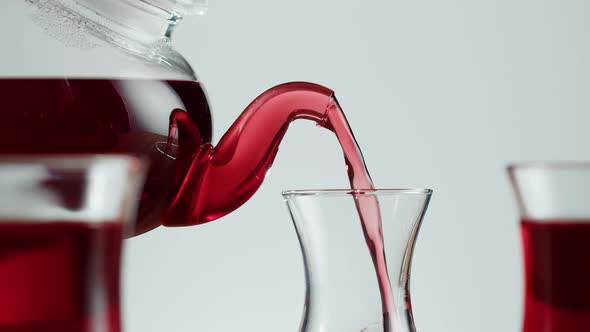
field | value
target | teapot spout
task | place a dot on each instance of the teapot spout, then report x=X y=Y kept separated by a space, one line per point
x=221 y=179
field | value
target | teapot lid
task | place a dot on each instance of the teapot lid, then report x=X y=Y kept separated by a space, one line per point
x=181 y=7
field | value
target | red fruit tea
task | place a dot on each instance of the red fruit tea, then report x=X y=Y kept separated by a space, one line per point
x=557 y=275
x=60 y=276
x=78 y=116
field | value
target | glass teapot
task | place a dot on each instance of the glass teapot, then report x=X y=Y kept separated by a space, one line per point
x=101 y=76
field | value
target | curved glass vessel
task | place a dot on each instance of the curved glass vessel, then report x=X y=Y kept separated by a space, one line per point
x=343 y=293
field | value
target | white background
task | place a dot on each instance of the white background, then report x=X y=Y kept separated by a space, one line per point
x=440 y=94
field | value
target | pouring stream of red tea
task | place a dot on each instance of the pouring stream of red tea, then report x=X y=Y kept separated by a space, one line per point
x=367 y=207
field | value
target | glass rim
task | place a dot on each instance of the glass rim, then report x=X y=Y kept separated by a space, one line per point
x=548 y=165
x=357 y=192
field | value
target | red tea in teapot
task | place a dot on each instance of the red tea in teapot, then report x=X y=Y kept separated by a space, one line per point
x=45 y=116
x=93 y=115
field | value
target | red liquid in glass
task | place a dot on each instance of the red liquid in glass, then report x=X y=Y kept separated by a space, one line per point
x=59 y=277
x=44 y=116
x=557 y=275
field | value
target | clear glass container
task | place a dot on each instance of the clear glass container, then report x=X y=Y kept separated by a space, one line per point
x=343 y=293
x=554 y=208
x=86 y=76
x=61 y=230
